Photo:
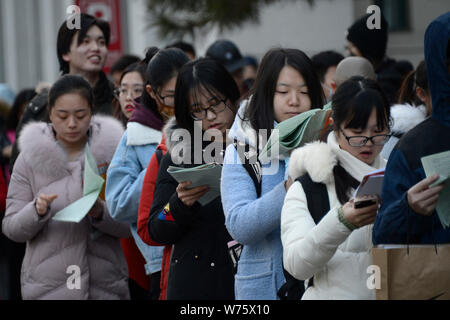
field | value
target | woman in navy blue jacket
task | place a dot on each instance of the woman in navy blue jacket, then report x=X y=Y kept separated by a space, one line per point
x=408 y=212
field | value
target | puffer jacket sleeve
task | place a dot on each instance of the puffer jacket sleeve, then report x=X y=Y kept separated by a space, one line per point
x=248 y=219
x=169 y=218
x=21 y=222
x=308 y=247
x=109 y=226
x=124 y=183
x=390 y=224
x=145 y=203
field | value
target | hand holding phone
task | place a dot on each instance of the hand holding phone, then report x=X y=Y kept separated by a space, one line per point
x=361 y=211
x=365 y=202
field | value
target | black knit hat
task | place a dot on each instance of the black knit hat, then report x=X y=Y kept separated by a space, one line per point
x=371 y=43
x=227 y=54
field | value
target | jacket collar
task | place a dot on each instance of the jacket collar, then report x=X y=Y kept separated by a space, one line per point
x=138 y=135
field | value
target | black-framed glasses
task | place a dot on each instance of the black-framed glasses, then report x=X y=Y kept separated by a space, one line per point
x=168 y=100
x=359 y=141
x=199 y=113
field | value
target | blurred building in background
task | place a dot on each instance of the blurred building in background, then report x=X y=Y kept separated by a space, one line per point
x=29 y=29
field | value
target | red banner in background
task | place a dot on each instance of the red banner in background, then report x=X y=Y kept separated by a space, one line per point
x=108 y=10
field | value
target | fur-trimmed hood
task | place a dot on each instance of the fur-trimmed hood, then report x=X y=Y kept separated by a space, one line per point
x=405 y=117
x=317 y=159
x=43 y=153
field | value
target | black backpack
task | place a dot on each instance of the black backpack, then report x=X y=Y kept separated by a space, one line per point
x=318 y=205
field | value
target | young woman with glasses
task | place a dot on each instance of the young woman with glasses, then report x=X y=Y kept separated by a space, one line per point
x=131 y=87
x=143 y=134
x=334 y=254
x=200 y=266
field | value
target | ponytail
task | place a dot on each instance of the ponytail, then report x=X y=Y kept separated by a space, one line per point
x=407 y=92
x=416 y=78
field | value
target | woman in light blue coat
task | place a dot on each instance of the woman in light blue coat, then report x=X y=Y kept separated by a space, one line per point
x=127 y=170
x=286 y=85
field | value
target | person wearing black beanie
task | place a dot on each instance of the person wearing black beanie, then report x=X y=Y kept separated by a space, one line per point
x=372 y=44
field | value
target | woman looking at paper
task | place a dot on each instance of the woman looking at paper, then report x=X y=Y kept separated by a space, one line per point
x=143 y=134
x=48 y=176
x=332 y=252
x=286 y=85
x=200 y=266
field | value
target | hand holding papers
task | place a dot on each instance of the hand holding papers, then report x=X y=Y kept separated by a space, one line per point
x=294 y=132
x=207 y=174
x=92 y=186
x=439 y=163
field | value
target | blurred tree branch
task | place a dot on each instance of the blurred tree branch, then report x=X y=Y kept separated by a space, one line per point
x=178 y=18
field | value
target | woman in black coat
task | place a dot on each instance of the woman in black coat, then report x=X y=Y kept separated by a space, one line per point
x=200 y=266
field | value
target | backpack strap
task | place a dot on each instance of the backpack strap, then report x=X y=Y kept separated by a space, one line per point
x=251 y=165
x=159 y=155
x=253 y=168
x=316 y=197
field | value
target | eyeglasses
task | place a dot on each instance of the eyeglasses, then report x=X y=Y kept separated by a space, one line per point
x=199 y=113
x=359 y=141
x=135 y=91
x=168 y=100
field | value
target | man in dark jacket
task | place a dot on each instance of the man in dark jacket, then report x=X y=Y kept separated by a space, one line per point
x=80 y=51
x=371 y=44
x=408 y=212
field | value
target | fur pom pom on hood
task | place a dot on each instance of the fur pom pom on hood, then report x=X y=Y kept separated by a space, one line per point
x=43 y=153
x=317 y=159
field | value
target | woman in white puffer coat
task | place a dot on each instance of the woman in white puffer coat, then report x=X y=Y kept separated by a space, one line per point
x=336 y=251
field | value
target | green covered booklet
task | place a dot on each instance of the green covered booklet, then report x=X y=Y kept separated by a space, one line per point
x=205 y=174
x=92 y=186
x=294 y=133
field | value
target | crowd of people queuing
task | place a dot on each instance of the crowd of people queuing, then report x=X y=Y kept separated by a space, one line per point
x=147 y=236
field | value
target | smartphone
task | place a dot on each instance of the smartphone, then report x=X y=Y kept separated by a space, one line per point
x=364 y=203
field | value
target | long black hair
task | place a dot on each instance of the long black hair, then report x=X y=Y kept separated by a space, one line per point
x=162 y=66
x=22 y=98
x=260 y=111
x=352 y=105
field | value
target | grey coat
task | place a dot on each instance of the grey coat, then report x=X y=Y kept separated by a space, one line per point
x=64 y=260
